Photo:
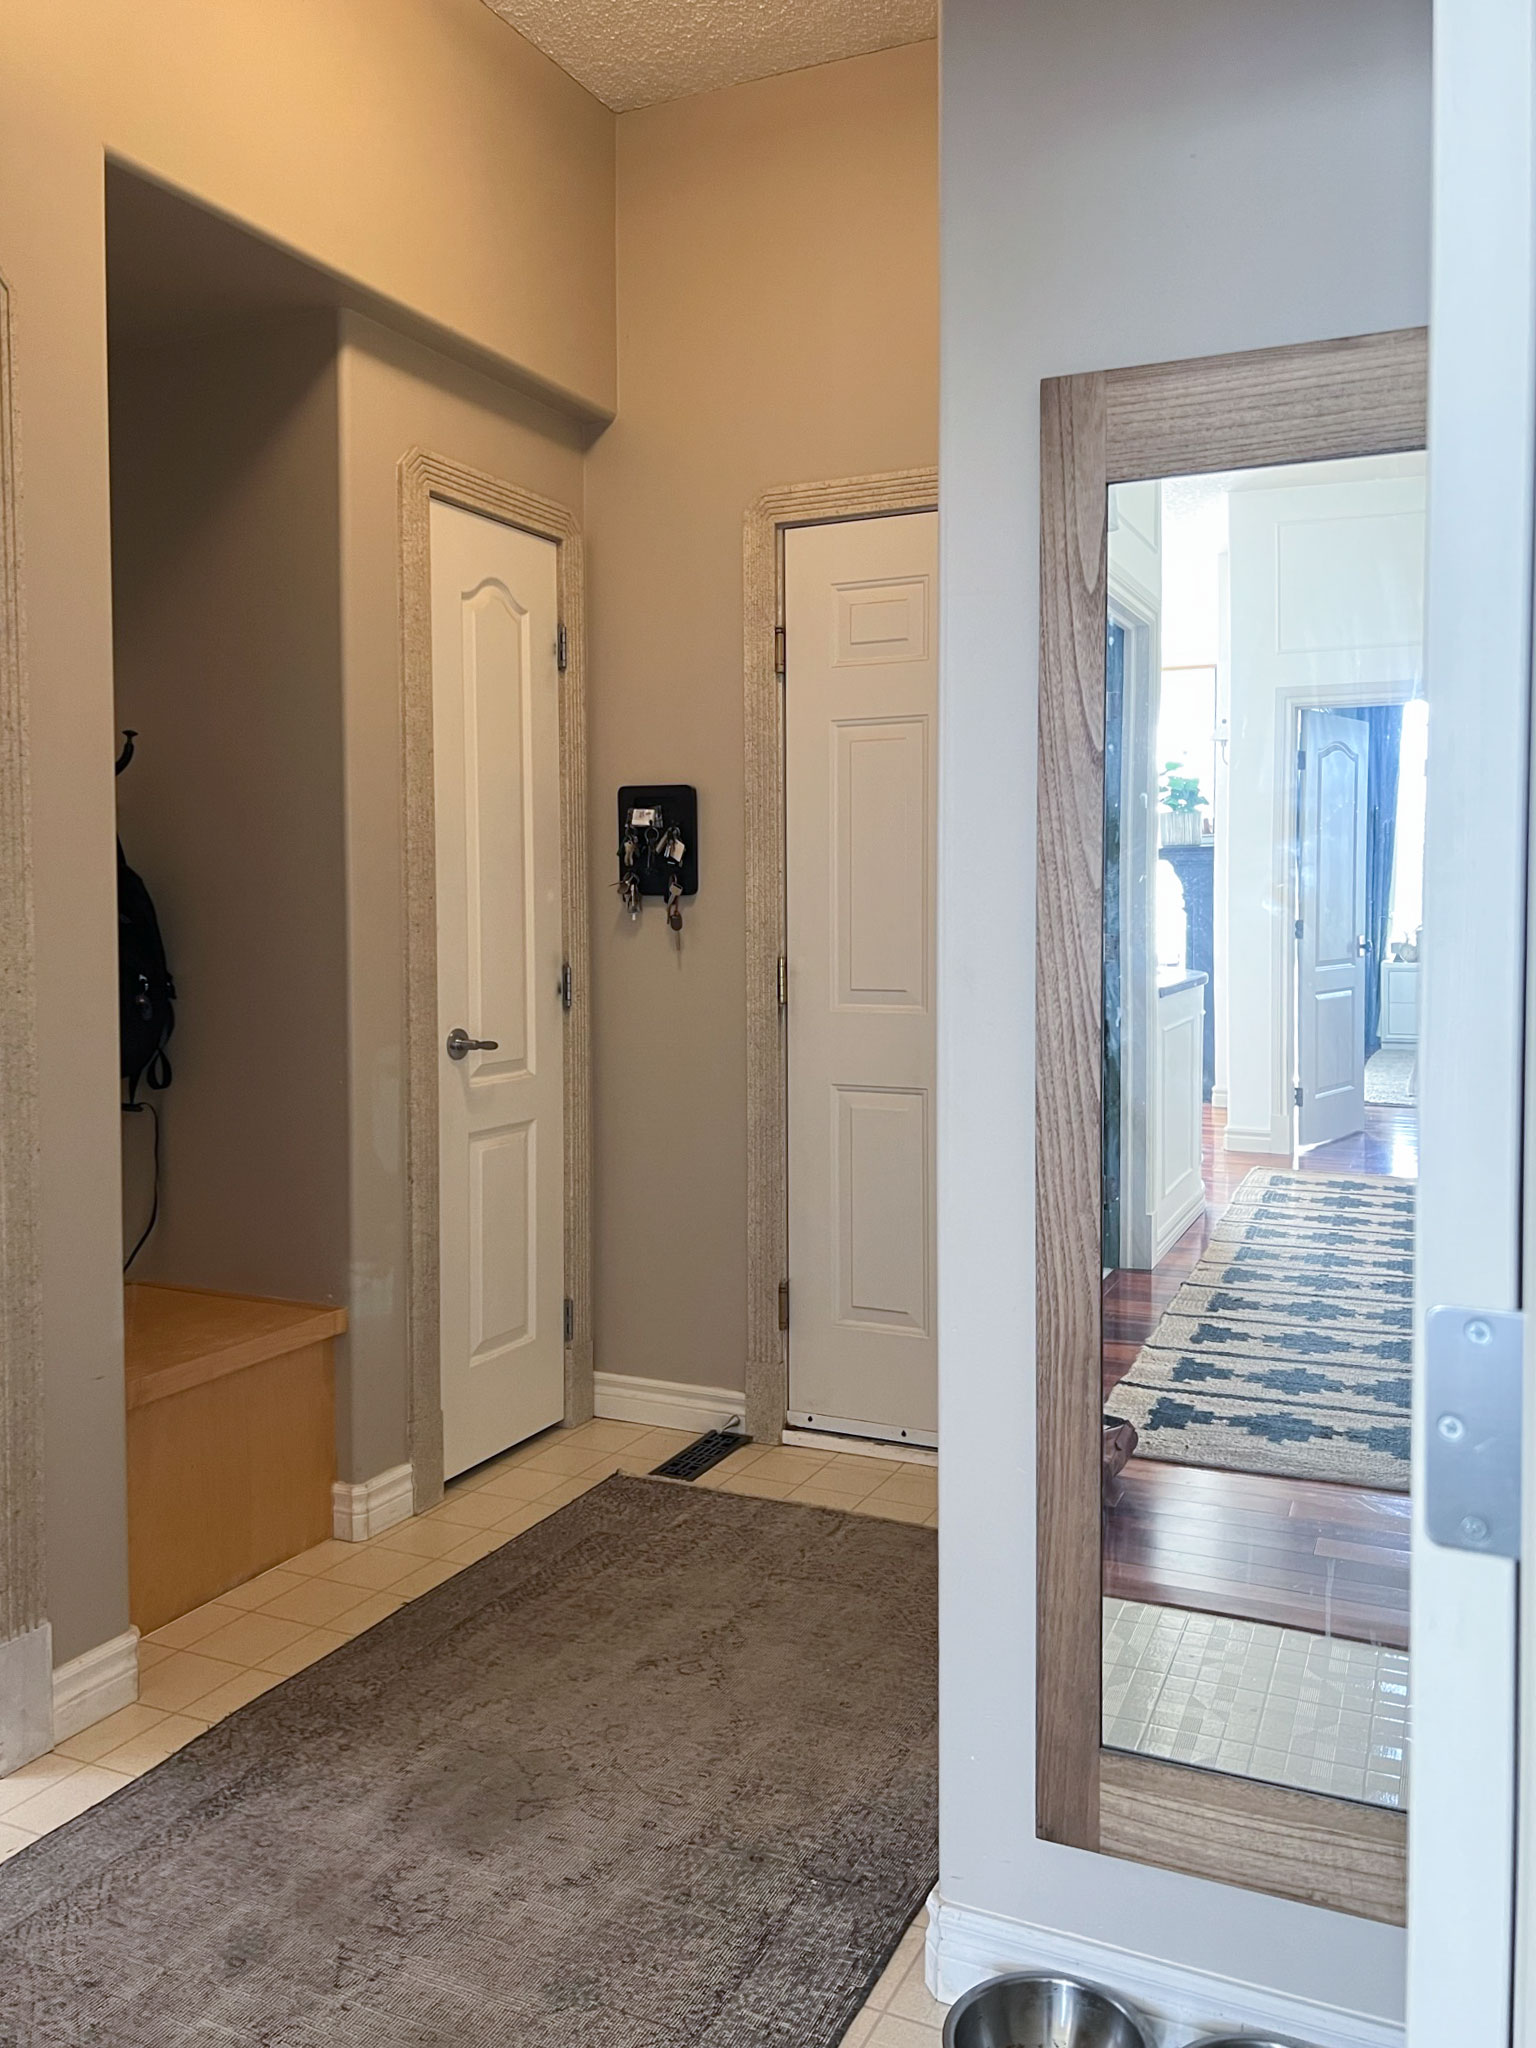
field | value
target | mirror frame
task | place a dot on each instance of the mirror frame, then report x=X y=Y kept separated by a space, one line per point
x=1306 y=403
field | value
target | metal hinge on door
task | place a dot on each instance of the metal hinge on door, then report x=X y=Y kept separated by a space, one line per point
x=1298 y=1095
x=783 y=983
x=570 y=1320
x=562 y=649
x=566 y=989
x=780 y=653
x=1474 y=1360
x=783 y=1304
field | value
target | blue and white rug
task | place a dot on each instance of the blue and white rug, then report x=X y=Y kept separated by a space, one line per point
x=1289 y=1349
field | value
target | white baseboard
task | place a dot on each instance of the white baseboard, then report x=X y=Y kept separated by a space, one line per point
x=88 y=1688
x=371 y=1506
x=26 y=1698
x=1256 y=1138
x=1218 y=1098
x=965 y=1946
x=666 y=1404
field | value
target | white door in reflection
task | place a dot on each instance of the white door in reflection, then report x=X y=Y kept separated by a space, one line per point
x=1331 y=942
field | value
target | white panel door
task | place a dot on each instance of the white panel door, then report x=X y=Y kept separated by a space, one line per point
x=496 y=754
x=861 y=702
x=1331 y=926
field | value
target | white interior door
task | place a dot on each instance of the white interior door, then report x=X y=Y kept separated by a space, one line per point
x=861 y=703
x=495 y=686
x=1331 y=926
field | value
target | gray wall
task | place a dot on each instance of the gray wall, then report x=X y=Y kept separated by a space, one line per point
x=227 y=642
x=1122 y=184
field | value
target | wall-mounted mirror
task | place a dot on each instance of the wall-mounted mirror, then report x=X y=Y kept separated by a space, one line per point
x=1264 y=755
x=1234 y=739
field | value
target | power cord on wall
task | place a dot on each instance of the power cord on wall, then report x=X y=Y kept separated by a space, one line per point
x=135 y=1109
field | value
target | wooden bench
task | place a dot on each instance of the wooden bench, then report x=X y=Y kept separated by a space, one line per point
x=231 y=1440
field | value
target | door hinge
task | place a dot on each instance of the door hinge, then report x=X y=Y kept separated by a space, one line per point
x=1474 y=1361
x=1298 y=1095
x=783 y=1304
x=783 y=983
x=1301 y=762
x=780 y=652
x=566 y=988
x=570 y=1320
x=1298 y=927
x=562 y=649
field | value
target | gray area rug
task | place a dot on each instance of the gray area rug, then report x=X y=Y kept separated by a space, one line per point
x=1289 y=1349
x=660 y=1771
x=1391 y=1078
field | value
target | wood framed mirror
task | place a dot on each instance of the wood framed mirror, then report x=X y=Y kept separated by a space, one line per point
x=1223 y=1216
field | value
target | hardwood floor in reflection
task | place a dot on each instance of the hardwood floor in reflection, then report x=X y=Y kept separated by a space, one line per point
x=1300 y=1553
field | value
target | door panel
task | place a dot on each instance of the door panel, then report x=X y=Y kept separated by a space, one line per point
x=497 y=783
x=860 y=705
x=883 y=1171
x=1331 y=962
x=880 y=883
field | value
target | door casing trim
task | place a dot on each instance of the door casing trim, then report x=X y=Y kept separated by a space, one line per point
x=23 y=1588
x=813 y=504
x=423 y=478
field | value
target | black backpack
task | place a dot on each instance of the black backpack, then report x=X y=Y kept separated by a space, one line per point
x=146 y=994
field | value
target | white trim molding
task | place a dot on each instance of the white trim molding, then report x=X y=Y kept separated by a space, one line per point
x=89 y=1687
x=22 y=1573
x=667 y=1404
x=370 y=1506
x=966 y=1946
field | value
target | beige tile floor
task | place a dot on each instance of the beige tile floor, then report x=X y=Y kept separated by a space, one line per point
x=1278 y=1704
x=207 y=1663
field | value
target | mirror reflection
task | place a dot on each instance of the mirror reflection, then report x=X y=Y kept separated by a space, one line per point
x=1265 y=749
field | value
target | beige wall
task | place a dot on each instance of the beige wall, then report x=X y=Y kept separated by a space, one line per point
x=227 y=634
x=415 y=147
x=396 y=396
x=778 y=321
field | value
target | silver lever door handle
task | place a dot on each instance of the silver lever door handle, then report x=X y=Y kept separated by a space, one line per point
x=461 y=1045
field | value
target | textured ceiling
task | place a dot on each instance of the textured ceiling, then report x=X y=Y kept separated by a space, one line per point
x=632 y=53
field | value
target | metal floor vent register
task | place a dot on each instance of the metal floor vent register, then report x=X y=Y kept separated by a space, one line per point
x=697 y=1458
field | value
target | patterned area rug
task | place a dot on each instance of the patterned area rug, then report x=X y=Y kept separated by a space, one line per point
x=1391 y=1078
x=661 y=1770
x=1289 y=1349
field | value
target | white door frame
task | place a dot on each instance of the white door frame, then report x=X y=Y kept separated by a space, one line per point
x=1291 y=700
x=1139 y=617
x=1472 y=980
x=423 y=478
x=814 y=504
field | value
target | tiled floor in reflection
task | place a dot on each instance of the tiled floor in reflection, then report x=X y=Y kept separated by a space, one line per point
x=1272 y=1703
x=207 y=1663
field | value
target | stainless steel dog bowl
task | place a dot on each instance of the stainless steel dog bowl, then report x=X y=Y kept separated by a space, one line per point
x=1247 y=2041
x=1035 y=2010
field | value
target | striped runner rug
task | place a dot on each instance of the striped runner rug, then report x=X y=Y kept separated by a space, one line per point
x=1289 y=1348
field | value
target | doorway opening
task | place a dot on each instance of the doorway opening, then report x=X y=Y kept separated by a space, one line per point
x=840 y=922
x=226 y=589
